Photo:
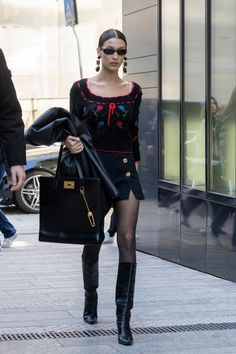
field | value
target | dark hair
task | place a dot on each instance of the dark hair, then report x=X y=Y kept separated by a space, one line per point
x=216 y=103
x=111 y=33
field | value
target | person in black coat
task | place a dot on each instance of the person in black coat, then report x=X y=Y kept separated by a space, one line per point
x=11 y=128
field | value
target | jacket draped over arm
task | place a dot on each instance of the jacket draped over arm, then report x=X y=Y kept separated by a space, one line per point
x=55 y=125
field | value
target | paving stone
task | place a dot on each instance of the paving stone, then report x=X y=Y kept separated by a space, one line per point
x=41 y=289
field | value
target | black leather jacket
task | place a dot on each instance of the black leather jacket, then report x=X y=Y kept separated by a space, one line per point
x=11 y=123
x=55 y=125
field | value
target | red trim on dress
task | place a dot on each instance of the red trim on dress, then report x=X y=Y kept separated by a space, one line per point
x=132 y=88
x=99 y=102
x=114 y=151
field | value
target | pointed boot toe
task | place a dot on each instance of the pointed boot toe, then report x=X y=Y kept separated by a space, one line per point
x=124 y=301
x=124 y=333
x=90 y=306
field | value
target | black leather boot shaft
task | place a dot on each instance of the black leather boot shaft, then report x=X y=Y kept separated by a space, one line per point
x=124 y=301
x=90 y=277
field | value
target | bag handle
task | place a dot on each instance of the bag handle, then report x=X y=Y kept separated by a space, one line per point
x=59 y=161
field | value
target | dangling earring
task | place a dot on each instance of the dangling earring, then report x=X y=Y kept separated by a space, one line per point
x=98 y=63
x=125 y=65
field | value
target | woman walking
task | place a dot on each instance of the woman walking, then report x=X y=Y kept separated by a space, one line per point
x=109 y=107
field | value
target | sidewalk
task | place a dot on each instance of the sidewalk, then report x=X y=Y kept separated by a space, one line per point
x=41 y=292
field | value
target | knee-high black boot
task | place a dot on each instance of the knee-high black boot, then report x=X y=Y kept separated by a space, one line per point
x=90 y=276
x=124 y=301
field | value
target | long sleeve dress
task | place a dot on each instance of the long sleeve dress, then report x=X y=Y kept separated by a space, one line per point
x=113 y=125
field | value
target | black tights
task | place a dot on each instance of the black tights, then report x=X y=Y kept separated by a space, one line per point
x=126 y=213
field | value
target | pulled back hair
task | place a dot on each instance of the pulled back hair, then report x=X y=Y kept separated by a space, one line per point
x=111 y=33
x=216 y=103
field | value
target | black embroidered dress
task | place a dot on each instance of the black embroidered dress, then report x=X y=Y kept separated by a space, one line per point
x=113 y=125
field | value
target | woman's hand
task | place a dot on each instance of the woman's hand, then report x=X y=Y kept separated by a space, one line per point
x=74 y=144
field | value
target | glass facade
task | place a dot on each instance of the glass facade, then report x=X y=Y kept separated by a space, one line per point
x=188 y=75
x=194 y=223
x=223 y=100
x=189 y=212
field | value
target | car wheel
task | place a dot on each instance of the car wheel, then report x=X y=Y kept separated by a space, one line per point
x=27 y=198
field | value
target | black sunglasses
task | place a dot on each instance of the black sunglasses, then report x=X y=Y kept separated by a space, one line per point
x=110 y=51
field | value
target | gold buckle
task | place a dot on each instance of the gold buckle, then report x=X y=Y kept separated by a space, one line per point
x=69 y=185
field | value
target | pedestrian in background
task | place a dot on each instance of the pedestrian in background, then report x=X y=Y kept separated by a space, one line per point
x=6 y=227
x=109 y=106
x=111 y=231
x=11 y=128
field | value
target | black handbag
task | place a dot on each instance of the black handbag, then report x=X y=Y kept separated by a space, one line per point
x=70 y=208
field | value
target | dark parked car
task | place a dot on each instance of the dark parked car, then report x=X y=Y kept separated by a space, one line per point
x=41 y=161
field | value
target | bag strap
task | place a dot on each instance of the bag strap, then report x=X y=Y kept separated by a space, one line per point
x=57 y=174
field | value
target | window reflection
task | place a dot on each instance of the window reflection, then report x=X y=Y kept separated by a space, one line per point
x=223 y=146
x=170 y=106
x=148 y=140
x=223 y=102
x=194 y=145
x=216 y=119
x=170 y=140
x=194 y=95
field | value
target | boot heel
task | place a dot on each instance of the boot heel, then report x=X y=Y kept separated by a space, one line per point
x=124 y=332
x=90 y=307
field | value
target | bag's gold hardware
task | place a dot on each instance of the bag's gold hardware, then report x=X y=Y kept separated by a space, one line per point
x=89 y=213
x=91 y=218
x=69 y=185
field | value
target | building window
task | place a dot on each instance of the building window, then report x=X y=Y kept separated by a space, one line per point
x=194 y=94
x=170 y=103
x=223 y=101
